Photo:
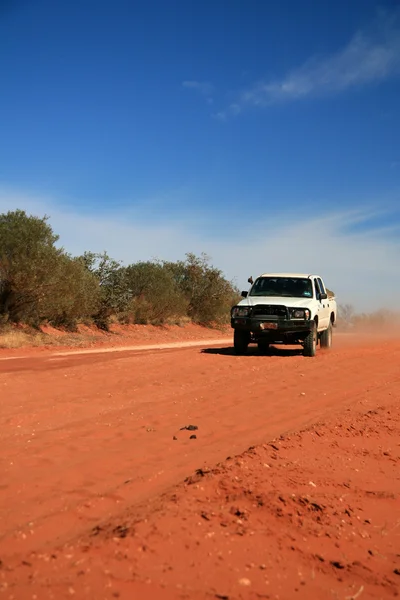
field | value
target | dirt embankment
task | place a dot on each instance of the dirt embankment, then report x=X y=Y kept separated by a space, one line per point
x=92 y=453
x=18 y=341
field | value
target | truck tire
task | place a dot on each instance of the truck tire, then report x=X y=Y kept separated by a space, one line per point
x=263 y=346
x=326 y=337
x=241 y=340
x=310 y=342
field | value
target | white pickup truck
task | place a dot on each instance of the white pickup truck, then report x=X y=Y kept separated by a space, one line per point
x=284 y=308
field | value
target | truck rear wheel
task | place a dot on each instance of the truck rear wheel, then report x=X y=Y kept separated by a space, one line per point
x=326 y=337
x=310 y=342
x=241 y=340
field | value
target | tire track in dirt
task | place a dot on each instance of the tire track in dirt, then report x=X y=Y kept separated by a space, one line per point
x=61 y=355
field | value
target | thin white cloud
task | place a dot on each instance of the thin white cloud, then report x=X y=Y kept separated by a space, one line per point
x=359 y=267
x=204 y=88
x=232 y=111
x=370 y=57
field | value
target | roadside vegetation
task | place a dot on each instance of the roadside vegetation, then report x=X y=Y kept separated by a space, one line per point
x=41 y=283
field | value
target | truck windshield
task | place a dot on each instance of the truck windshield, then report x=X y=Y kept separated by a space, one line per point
x=293 y=287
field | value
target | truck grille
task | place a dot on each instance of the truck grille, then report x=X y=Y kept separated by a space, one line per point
x=269 y=310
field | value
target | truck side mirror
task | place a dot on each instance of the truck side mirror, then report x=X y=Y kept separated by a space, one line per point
x=323 y=296
x=244 y=294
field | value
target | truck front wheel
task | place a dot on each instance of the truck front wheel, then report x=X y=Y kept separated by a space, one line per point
x=310 y=342
x=241 y=340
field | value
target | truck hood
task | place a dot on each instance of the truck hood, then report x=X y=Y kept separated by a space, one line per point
x=273 y=300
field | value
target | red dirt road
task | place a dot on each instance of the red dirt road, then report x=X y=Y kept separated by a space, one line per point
x=89 y=506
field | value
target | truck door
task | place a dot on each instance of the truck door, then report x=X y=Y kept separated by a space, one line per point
x=324 y=310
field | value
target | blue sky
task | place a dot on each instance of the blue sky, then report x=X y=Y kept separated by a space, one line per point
x=265 y=134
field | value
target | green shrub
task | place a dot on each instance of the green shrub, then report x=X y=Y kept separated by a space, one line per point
x=209 y=295
x=114 y=296
x=77 y=296
x=40 y=282
x=155 y=296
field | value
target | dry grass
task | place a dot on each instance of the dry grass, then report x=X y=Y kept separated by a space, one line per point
x=14 y=339
x=19 y=339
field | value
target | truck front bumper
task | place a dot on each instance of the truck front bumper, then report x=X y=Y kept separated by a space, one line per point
x=264 y=327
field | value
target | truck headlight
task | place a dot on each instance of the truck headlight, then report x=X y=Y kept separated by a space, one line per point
x=300 y=313
x=240 y=311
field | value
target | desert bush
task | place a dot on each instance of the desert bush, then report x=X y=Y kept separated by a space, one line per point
x=114 y=295
x=28 y=258
x=77 y=297
x=28 y=266
x=208 y=294
x=40 y=282
x=155 y=295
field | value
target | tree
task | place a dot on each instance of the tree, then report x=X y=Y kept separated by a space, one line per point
x=28 y=265
x=111 y=276
x=209 y=295
x=38 y=281
x=77 y=297
x=41 y=282
x=155 y=294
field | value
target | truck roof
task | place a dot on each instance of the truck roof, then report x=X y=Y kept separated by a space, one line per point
x=299 y=275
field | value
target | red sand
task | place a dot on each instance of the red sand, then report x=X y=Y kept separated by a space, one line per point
x=94 y=501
